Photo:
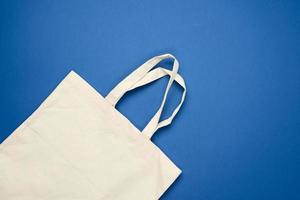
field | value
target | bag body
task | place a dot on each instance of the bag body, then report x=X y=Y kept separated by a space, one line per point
x=77 y=146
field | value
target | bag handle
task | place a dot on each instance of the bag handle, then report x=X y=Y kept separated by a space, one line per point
x=142 y=76
x=154 y=75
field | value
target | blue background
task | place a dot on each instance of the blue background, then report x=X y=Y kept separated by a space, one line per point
x=238 y=133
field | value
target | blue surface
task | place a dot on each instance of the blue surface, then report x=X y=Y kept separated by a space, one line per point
x=238 y=133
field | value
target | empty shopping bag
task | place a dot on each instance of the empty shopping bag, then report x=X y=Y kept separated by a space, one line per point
x=78 y=146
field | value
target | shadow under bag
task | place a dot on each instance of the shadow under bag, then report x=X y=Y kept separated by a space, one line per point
x=78 y=146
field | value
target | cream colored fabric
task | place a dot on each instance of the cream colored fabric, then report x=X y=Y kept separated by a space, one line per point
x=77 y=146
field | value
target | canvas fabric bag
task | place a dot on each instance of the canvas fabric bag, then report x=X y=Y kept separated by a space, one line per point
x=78 y=146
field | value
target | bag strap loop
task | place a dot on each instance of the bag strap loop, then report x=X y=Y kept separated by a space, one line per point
x=144 y=75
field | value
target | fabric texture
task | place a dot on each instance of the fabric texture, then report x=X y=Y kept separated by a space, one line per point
x=76 y=145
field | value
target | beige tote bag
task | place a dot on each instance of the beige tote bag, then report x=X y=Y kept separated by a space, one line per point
x=77 y=146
